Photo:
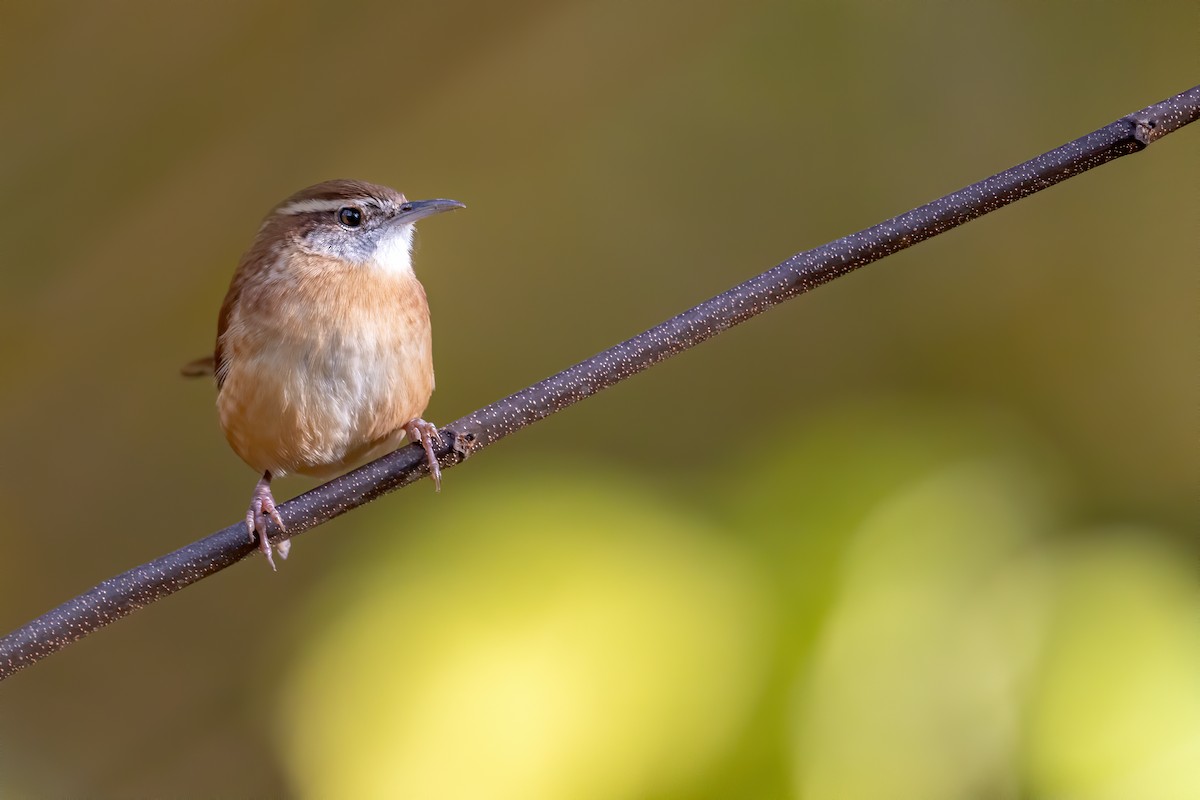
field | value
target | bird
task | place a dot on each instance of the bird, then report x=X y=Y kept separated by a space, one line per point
x=323 y=357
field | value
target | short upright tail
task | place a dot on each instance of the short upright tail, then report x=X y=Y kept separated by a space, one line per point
x=200 y=368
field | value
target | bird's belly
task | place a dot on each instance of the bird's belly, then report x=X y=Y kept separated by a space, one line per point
x=321 y=405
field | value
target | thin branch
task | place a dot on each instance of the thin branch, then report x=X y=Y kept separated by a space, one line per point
x=141 y=586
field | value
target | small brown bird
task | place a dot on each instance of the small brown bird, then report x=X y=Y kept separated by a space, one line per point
x=324 y=358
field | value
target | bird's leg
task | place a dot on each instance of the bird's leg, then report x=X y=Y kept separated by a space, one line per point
x=262 y=510
x=426 y=434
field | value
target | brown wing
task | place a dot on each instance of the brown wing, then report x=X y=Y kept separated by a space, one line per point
x=253 y=262
x=235 y=289
x=210 y=366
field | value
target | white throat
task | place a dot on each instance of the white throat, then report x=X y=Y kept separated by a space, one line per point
x=393 y=255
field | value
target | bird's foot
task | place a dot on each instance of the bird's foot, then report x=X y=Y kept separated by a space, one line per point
x=261 y=512
x=426 y=434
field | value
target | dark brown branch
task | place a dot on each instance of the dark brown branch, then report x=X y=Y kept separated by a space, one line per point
x=116 y=597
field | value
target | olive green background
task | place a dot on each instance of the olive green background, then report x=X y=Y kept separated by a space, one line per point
x=929 y=531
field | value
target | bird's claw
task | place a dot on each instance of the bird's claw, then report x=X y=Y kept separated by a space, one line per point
x=261 y=513
x=426 y=434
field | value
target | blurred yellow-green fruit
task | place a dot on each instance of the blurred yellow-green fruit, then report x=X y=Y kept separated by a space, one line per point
x=557 y=637
x=1115 y=712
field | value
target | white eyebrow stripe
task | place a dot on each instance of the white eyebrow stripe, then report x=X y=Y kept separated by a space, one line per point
x=309 y=206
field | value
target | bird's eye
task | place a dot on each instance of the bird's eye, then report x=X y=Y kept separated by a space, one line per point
x=350 y=216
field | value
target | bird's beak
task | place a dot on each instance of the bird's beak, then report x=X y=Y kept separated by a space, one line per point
x=414 y=210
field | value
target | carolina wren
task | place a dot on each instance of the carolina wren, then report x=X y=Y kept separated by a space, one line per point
x=323 y=357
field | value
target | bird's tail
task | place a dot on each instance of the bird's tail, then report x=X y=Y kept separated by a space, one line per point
x=200 y=368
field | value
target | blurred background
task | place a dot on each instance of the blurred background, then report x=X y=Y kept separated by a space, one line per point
x=930 y=531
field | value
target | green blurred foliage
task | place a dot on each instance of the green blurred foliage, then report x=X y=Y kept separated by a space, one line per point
x=928 y=532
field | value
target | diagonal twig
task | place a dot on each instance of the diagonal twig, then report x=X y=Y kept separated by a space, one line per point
x=140 y=586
